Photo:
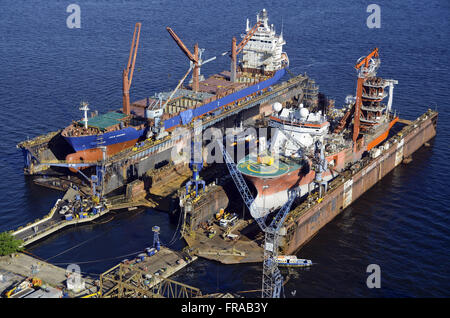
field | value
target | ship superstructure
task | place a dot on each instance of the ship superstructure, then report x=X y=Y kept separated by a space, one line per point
x=264 y=51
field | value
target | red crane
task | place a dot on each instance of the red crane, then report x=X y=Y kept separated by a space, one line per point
x=192 y=57
x=364 y=72
x=127 y=75
x=236 y=49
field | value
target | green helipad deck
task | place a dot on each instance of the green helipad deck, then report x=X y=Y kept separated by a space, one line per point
x=250 y=167
x=105 y=121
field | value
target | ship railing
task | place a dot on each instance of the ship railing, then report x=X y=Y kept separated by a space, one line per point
x=37 y=140
x=374 y=108
x=66 y=163
x=382 y=84
x=374 y=96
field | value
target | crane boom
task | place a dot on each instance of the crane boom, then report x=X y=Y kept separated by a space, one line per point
x=127 y=75
x=272 y=281
x=247 y=37
x=176 y=88
x=192 y=57
x=236 y=49
x=243 y=188
x=183 y=47
x=366 y=60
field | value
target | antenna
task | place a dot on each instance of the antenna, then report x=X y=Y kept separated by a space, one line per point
x=84 y=107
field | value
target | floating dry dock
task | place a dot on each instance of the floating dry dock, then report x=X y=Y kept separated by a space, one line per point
x=304 y=221
x=44 y=153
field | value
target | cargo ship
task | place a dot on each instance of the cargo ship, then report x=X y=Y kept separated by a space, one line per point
x=262 y=64
x=308 y=149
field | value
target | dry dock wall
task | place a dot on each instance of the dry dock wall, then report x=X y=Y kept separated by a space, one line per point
x=303 y=223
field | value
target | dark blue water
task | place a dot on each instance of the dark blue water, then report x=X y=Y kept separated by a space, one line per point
x=401 y=224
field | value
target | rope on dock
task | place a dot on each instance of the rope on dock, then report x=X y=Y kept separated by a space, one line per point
x=100 y=260
x=174 y=239
x=84 y=242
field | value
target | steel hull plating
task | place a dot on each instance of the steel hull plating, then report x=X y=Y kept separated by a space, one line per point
x=107 y=139
x=304 y=222
x=87 y=147
x=96 y=154
x=187 y=115
x=273 y=192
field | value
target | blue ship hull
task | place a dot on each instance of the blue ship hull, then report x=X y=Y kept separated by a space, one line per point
x=186 y=116
x=106 y=139
x=128 y=134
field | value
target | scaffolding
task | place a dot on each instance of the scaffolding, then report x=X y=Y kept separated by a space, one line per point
x=127 y=281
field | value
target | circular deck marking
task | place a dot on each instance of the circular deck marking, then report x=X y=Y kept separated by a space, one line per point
x=252 y=168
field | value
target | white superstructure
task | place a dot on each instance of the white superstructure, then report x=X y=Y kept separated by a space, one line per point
x=264 y=51
x=304 y=129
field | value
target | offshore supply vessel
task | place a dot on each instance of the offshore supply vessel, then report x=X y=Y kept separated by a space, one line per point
x=312 y=148
x=262 y=64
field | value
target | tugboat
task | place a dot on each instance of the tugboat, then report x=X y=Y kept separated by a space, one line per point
x=293 y=261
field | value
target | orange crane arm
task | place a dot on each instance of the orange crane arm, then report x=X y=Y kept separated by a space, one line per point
x=367 y=59
x=182 y=46
x=133 y=51
x=247 y=37
x=127 y=74
x=359 y=89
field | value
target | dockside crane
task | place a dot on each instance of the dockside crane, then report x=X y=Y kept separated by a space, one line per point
x=127 y=75
x=272 y=280
x=236 y=49
x=366 y=67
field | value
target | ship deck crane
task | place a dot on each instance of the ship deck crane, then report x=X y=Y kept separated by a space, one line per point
x=272 y=281
x=192 y=57
x=127 y=75
x=236 y=49
x=195 y=58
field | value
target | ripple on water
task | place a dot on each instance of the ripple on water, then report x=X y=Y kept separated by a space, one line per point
x=401 y=223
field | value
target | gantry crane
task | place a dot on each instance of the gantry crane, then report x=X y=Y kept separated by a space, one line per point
x=236 y=49
x=127 y=75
